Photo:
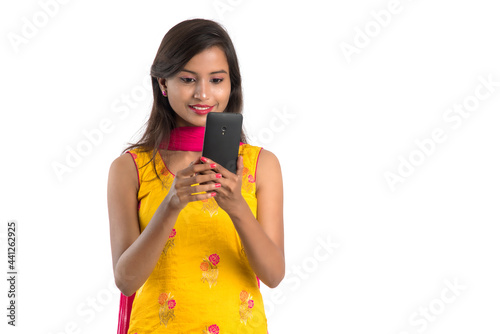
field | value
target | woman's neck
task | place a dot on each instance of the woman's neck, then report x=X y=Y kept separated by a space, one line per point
x=183 y=147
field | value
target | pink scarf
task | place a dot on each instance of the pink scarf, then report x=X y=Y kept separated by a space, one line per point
x=185 y=138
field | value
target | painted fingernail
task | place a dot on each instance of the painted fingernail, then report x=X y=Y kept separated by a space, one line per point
x=212 y=165
x=213 y=194
x=203 y=159
x=217 y=185
x=218 y=175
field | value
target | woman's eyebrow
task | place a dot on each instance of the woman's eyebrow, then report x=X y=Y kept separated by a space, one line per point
x=220 y=71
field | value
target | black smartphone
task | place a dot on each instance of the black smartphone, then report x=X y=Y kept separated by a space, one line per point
x=222 y=138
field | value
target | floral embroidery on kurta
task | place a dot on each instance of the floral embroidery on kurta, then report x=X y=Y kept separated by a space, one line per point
x=210 y=206
x=167 y=305
x=209 y=270
x=248 y=180
x=212 y=329
x=170 y=242
x=246 y=306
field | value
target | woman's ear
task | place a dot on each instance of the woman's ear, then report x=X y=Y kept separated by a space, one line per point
x=162 y=82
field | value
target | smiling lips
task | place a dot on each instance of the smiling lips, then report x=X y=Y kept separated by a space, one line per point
x=201 y=109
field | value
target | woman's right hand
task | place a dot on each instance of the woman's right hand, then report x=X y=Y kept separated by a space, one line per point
x=135 y=253
x=182 y=190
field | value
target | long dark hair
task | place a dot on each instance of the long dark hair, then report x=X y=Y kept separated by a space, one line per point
x=181 y=43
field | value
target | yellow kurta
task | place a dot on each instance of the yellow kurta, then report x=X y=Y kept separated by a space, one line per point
x=202 y=282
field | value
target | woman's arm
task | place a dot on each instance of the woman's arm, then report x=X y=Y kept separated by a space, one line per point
x=262 y=238
x=135 y=254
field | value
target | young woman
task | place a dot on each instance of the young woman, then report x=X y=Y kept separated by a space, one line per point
x=189 y=239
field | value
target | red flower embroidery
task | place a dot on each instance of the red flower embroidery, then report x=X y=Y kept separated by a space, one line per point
x=173 y=233
x=166 y=312
x=170 y=242
x=214 y=258
x=250 y=303
x=209 y=270
x=171 y=303
x=246 y=306
x=213 y=329
x=248 y=183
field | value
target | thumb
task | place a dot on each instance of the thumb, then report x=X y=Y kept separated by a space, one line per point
x=239 y=167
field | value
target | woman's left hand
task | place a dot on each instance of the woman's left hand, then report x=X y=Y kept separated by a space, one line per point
x=228 y=195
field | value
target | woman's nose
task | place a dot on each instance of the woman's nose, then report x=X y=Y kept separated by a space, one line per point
x=201 y=91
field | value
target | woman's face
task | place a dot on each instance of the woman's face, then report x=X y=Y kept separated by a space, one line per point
x=202 y=86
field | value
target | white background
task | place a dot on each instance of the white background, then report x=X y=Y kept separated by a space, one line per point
x=350 y=119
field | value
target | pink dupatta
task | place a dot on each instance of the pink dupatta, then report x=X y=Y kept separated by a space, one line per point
x=124 y=313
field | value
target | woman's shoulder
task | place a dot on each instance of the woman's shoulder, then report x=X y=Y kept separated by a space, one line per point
x=124 y=169
x=139 y=153
x=130 y=162
x=261 y=155
x=249 y=147
x=125 y=161
x=268 y=172
x=267 y=160
x=267 y=165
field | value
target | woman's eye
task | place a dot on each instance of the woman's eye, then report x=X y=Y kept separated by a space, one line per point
x=187 y=80
x=217 y=80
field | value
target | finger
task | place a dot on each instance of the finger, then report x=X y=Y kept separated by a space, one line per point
x=218 y=168
x=210 y=171
x=204 y=188
x=199 y=179
x=189 y=196
x=195 y=162
x=202 y=167
x=208 y=162
x=222 y=192
x=201 y=197
x=193 y=169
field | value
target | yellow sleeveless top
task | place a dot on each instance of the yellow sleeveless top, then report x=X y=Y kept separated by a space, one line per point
x=202 y=282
